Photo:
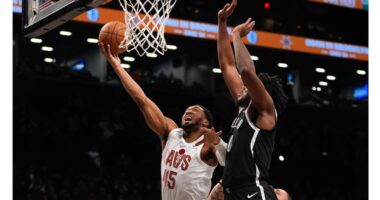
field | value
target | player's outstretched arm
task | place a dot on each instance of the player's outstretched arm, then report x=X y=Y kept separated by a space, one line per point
x=225 y=53
x=256 y=90
x=152 y=114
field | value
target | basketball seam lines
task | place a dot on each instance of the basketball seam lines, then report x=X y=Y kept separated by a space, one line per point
x=113 y=31
x=113 y=35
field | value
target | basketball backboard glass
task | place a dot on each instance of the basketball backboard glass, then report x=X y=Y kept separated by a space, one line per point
x=41 y=16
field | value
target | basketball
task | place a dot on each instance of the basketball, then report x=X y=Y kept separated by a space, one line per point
x=112 y=33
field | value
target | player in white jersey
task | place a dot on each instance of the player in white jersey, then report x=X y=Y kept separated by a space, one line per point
x=188 y=161
x=184 y=174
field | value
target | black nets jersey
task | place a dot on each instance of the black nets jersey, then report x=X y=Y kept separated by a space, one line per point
x=249 y=153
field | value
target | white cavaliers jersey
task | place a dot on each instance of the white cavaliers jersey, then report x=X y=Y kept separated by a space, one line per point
x=184 y=176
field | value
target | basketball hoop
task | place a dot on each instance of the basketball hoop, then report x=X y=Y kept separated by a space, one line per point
x=145 y=25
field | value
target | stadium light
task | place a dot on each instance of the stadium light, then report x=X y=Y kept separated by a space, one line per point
x=36 y=40
x=46 y=48
x=49 y=60
x=151 y=55
x=171 y=47
x=125 y=66
x=92 y=40
x=282 y=65
x=128 y=58
x=217 y=70
x=281 y=158
x=331 y=77
x=361 y=72
x=323 y=83
x=255 y=58
x=314 y=88
x=319 y=89
x=320 y=70
x=65 y=33
x=266 y=5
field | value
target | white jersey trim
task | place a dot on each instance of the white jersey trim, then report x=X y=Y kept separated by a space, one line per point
x=275 y=112
x=252 y=144
x=255 y=128
x=258 y=183
x=251 y=124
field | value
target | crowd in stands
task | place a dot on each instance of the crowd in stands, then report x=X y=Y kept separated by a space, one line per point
x=76 y=139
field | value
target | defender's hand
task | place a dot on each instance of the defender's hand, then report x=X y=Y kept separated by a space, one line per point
x=211 y=138
x=227 y=10
x=244 y=28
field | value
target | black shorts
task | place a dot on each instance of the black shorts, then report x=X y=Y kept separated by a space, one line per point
x=249 y=192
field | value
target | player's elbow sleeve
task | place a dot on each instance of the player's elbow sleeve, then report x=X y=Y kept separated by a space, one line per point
x=220 y=152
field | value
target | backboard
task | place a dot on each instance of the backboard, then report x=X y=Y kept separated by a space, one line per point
x=41 y=16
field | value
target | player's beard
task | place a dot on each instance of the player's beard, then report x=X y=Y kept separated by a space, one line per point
x=192 y=126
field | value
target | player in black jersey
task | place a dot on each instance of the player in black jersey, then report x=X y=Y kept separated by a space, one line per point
x=218 y=194
x=260 y=99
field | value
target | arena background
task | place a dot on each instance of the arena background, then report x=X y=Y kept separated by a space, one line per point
x=78 y=135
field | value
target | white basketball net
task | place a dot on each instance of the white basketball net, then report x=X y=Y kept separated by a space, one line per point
x=145 y=25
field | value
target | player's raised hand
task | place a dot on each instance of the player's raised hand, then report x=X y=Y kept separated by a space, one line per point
x=211 y=138
x=113 y=59
x=244 y=28
x=227 y=10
